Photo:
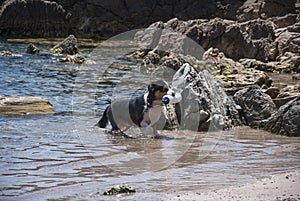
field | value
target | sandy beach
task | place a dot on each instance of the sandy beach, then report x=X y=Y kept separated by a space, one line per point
x=275 y=188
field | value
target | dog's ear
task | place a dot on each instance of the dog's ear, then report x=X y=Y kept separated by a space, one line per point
x=151 y=96
x=149 y=87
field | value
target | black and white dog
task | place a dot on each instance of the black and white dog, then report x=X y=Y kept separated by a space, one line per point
x=143 y=111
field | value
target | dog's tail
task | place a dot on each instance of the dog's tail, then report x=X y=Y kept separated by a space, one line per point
x=104 y=120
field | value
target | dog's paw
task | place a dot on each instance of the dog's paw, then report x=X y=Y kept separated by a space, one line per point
x=148 y=131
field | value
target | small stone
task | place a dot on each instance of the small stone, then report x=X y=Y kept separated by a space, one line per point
x=32 y=49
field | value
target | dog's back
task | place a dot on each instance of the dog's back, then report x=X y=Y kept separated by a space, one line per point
x=123 y=113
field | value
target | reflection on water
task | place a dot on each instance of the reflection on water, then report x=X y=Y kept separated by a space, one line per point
x=60 y=163
x=63 y=156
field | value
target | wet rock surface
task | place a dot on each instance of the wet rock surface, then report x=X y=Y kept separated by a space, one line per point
x=237 y=42
x=32 y=49
x=78 y=59
x=123 y=188
x=67 y=46
x=24 y=106
x=5 y=53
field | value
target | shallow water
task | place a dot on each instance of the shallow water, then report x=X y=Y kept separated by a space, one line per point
x=63 y=156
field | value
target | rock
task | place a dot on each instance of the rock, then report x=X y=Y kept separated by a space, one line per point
x=256 y=105
x=272 y=92
x=123 y=188
x=98 y=19
x=287 y=41
x=32 y=49
x=24 y=105
x=286 y=94
x=284 y=21
x=296 y=76
x=295 y=27
x=32 y=18
x=252 y=9
x=289 y=62
x=67 y=46
x=286 y=120
x=282 y=100
x=251 y=39
x=78 y=59
x=258 y=65
x=291 y=89
x=5 y=53
x=204 y=105
x=264 y=81
x=233 y=74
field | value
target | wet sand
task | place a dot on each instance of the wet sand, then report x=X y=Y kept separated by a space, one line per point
x=278 y=188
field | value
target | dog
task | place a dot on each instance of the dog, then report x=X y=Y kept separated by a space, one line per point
x=142 y=111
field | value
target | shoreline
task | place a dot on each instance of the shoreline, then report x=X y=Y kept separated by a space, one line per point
x=275 y=188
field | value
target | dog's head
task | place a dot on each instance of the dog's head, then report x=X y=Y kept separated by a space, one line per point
x=157 y=89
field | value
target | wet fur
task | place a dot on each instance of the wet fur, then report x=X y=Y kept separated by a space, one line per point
x=139 y=109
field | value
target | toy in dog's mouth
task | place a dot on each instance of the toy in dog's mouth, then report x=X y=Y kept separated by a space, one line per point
x=171 y=99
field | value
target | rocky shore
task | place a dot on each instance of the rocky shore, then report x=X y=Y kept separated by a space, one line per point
x=231 y=50
x=100 y=19
x=240 y=55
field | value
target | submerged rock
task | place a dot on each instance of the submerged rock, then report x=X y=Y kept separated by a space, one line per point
x=286 y=121
x=204 y=105
x=24 y=105
x=256 y=105
x=5 y=53
x=67 y=46
x=78 y=59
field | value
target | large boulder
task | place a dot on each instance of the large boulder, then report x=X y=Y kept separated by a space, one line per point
x=256 y=105
x=24 y=105
x=251 y=39
x=204 y=105
x=286 y=121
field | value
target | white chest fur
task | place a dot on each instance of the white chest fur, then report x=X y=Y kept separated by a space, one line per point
x=153 y=114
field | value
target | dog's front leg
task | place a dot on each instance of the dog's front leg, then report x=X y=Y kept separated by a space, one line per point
x=148 y=130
